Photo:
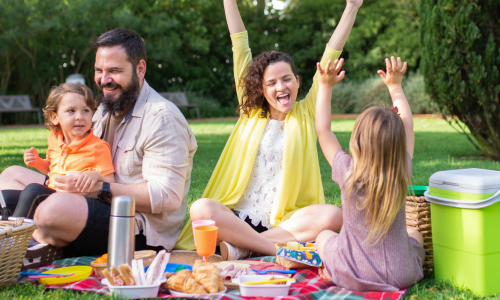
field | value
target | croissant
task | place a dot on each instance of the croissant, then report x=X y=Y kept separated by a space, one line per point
x=184 y=282
x=208 y=275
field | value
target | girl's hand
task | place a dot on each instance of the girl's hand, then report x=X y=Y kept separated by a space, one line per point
x=395 y=71
x=324 y=274
x=330 y=75
x=87 y=180
x=357 y=3
x=31 y=157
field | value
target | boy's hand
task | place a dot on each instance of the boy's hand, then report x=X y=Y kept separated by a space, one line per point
x=395 y=72
x=329 y=76
x=87 y=180
x=31 y=157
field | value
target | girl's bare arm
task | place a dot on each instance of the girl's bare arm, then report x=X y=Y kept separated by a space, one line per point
x=328 y=77
x=393 y=78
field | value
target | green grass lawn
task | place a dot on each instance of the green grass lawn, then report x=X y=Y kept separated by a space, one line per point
x=437 y=147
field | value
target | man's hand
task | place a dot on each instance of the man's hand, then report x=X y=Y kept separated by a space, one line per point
x=395 y=71
x=31 y=157
x=87 y=180
x=330 y=75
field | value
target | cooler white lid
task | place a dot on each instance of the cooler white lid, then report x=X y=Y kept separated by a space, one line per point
x=473 y=178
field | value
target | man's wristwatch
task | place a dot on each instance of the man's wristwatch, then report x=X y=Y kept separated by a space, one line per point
x=104 y=194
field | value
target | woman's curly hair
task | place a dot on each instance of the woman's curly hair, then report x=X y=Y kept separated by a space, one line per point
x=253 y=91
x=55 y=96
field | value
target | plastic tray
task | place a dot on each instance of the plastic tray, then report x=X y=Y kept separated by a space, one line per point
x=81 y=272
x=134 y=291
x=262 y=290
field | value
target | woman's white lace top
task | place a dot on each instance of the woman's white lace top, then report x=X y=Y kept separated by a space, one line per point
x=257 y=200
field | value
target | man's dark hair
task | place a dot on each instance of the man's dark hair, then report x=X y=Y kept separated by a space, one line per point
x=134 y=45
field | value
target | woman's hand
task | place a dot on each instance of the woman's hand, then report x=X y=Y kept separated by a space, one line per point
x=330 y=75
x=356 y=3
x=395 y=71
x=31 y=157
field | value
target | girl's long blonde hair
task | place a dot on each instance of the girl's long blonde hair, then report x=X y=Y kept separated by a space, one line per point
x=379 y=173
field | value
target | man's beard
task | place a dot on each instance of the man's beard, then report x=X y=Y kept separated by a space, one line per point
x=128 y=96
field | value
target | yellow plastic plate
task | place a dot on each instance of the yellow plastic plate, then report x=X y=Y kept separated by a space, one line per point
x=81 y=272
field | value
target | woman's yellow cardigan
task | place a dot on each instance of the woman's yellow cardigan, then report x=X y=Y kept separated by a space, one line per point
x=300 y=185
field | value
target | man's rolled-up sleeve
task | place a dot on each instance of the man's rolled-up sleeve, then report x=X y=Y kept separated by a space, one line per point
x=166 y=162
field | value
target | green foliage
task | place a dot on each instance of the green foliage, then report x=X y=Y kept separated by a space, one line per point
x=42 y=42
x=354 y=96
x=460 y=61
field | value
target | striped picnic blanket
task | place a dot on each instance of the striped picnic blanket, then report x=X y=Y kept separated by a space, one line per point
x=308 y=285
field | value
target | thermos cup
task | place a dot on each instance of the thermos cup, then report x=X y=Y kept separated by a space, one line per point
x=121 y=241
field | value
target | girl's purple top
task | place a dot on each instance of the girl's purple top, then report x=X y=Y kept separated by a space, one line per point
x=394 y=263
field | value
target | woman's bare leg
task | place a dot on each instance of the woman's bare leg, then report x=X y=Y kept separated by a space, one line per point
x=231 y=228
x=305 y=224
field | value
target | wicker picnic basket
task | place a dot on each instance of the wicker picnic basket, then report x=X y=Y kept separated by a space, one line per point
x=418 y=216
x=15 y=235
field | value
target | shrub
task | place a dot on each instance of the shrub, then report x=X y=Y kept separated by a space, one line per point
x=353 y=97
x=460 y=60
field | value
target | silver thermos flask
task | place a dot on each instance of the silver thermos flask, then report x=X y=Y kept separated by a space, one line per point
x=121 y=241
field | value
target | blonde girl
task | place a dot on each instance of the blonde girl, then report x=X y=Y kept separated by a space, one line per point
x=374 y=251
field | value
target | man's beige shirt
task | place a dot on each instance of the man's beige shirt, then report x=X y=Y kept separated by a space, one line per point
x=154 y=144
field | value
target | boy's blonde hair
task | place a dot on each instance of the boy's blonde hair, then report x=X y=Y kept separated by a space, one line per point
x=55 y=96
x=379 y=173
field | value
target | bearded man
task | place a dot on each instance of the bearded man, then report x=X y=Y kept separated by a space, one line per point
x=152 y=148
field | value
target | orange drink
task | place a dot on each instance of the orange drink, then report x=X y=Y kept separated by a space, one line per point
x=206 y=240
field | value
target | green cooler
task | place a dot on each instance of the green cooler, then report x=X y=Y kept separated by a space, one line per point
x=465 y=212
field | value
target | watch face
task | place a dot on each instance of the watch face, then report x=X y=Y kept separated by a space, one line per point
x=105 y=195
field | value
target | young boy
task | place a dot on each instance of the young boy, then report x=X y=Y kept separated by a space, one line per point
x=73 y=148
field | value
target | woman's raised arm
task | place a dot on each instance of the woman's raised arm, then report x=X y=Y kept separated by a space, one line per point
x=233 y=17
x=343 y=29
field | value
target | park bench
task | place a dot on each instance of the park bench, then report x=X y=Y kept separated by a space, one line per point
x=18 y=103
x=181 y=101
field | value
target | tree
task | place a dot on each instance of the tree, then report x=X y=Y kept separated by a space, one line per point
x=460 y=62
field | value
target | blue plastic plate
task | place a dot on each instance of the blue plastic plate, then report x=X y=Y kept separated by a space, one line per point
x=173 y=267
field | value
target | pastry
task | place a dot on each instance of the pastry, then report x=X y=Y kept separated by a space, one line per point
x=183 y=281
x=208 y=275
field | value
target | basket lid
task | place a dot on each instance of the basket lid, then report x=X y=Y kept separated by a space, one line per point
x=473 y=178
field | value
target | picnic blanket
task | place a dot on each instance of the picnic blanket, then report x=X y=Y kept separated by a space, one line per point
x=308 y=285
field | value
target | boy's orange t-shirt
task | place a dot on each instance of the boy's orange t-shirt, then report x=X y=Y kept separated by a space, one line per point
x=89 y=154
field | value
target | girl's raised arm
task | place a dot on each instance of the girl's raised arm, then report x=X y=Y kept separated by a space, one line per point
x=233 y=17
x=343 y=29
x=393 y=78
x=328 y=77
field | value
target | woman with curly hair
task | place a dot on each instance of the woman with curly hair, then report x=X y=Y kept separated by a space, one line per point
x=266 y=187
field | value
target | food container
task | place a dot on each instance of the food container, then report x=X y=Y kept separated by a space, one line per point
x=134 y=291
x=147 y=257
x=297 y=259
x=181 y=294
x=465 y=220
x=262 y=290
